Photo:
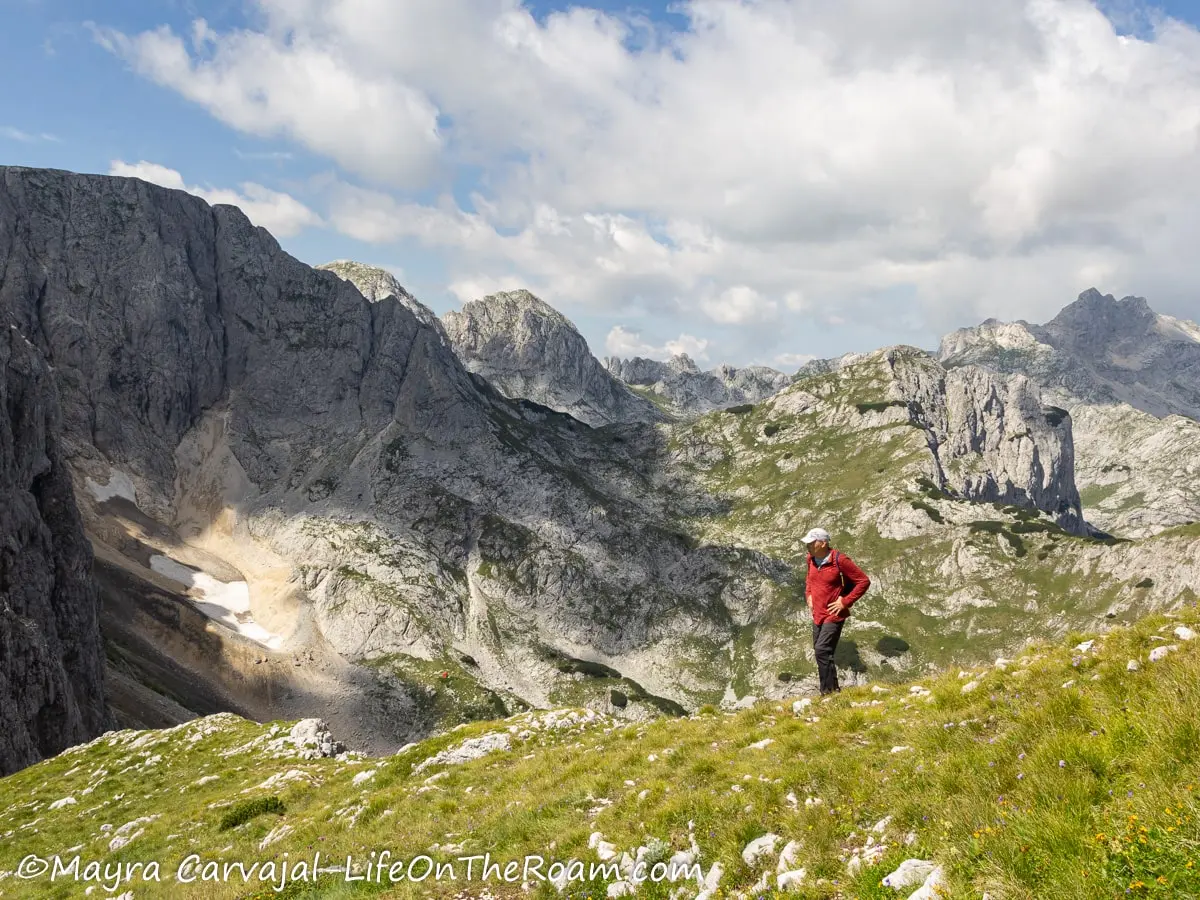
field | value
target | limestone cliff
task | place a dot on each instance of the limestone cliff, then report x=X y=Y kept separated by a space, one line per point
x=51 y=660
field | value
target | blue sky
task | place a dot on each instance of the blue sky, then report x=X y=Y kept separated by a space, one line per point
x=857 y=273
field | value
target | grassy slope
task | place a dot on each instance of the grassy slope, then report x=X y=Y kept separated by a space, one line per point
x=1026 y=787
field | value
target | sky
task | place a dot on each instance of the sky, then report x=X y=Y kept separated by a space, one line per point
x=747 y=181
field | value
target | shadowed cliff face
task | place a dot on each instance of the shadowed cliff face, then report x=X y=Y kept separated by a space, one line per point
x=51 y=661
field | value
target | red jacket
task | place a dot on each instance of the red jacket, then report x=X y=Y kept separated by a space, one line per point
x=838 y=577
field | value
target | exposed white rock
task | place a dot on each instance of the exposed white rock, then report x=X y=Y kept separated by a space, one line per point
x=910 y=872
x=472 y=748
x=758 y=848
x=276 y=781
x=278 y=833
x=788 y=857
x=1158 y=654
x=790 y=881
x=1184 y=633
x=311 y=739
x=931 y=888
x=59 y=804
x=130 y=831
x=712 y=879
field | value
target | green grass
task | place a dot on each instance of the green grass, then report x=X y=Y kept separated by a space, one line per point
x=1095 y=494
x=251 y=809
x=1062 y=775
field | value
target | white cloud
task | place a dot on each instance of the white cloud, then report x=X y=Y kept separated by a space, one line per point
x=793 y=360
x=774 y=158
x=26 y=137
x=306 y=86
x=266 y=155
x=281 y=214
x=624 y=343
x=738 y=305
x=478 y=286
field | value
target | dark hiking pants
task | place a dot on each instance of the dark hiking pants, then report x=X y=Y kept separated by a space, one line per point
x=825 y=638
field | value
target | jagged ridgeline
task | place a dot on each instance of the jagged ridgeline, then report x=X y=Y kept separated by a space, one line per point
x=301 y=499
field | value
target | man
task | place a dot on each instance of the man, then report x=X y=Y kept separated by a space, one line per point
x=834 y=584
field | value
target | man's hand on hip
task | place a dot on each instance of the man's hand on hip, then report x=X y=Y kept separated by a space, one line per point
x=837 y=608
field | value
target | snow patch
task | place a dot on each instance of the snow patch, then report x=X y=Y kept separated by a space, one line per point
x=119 y=485
x=227 y=603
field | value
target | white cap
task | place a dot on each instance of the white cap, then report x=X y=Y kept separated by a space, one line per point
x=816 y=534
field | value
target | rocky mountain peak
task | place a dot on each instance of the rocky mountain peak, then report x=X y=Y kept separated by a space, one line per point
x=527 y=349
x=681 y=362
x=1127 y=375
x=522 y=305
x=372 y=282
x=376 y=284
x=1102 y=316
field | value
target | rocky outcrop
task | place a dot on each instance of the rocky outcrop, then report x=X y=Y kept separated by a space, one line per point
x=528 y=350
x=991 y=437
x=51 y=659
x=682 y=387
x=1127 y=376
x=1138 y=475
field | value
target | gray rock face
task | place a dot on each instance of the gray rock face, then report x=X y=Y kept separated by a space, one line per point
x=51 y=658
x=528 y=350
x=687 y=391
x=1126 y=375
